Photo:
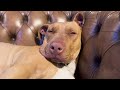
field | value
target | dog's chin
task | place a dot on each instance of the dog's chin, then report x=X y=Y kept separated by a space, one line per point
x=54 y=59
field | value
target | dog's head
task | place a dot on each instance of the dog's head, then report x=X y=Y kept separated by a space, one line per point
x=62 y=41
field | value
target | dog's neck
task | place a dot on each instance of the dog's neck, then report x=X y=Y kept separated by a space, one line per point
x=70 y=67
x=66 y=72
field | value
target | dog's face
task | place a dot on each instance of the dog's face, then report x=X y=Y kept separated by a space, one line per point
x=62 y=41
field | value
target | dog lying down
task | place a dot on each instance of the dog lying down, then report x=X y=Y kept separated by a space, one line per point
x=54 y=59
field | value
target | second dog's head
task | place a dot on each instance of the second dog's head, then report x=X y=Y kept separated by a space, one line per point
x=62 y=41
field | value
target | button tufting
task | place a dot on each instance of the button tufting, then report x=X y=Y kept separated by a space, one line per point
x=21 y=27
x=97 y=61
x=13 y=37
x=1 y=18
x=25 y=18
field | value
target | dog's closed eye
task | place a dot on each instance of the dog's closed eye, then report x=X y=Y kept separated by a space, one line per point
x=50 y=31
x=73 y=33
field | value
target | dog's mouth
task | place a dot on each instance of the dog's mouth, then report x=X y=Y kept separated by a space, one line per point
x=55 y=58
x=58 y=60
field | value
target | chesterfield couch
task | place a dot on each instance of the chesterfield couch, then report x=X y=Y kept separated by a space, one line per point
x=100 y=54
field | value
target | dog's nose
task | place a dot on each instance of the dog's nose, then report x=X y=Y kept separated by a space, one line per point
x=56 y=48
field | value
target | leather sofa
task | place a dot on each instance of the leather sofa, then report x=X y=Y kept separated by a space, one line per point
x=21 y=27
x=99 y=56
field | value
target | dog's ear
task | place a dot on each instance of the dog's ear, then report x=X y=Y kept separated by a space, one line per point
x=42 y=32
x=78 y=17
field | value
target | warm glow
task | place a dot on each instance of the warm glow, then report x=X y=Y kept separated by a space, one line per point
x=61 y=20
x=18 y=24
x=37 y=23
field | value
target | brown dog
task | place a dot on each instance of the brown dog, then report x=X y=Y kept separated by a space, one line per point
x=61 y=46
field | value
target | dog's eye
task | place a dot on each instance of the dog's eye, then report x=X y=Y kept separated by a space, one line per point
x=73 y=33
x=50 y=31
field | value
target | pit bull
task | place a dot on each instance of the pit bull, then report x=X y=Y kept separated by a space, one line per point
x=54 y=59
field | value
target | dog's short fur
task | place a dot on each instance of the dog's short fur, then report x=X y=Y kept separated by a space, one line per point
x=61 y=46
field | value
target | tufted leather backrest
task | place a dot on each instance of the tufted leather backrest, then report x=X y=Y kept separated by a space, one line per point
x=21 y=27
x=99 y=57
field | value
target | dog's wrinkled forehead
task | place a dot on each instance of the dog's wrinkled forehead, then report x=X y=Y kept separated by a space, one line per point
x=64 y=26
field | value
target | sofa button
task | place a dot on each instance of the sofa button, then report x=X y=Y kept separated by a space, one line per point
x=25 y=18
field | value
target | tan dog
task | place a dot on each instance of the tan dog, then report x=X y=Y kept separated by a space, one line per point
x=61 y=46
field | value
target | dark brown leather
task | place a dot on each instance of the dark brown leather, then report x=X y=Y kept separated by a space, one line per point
x=99 y=57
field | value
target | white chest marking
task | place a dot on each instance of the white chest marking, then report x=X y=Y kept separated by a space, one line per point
x=67 y=72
